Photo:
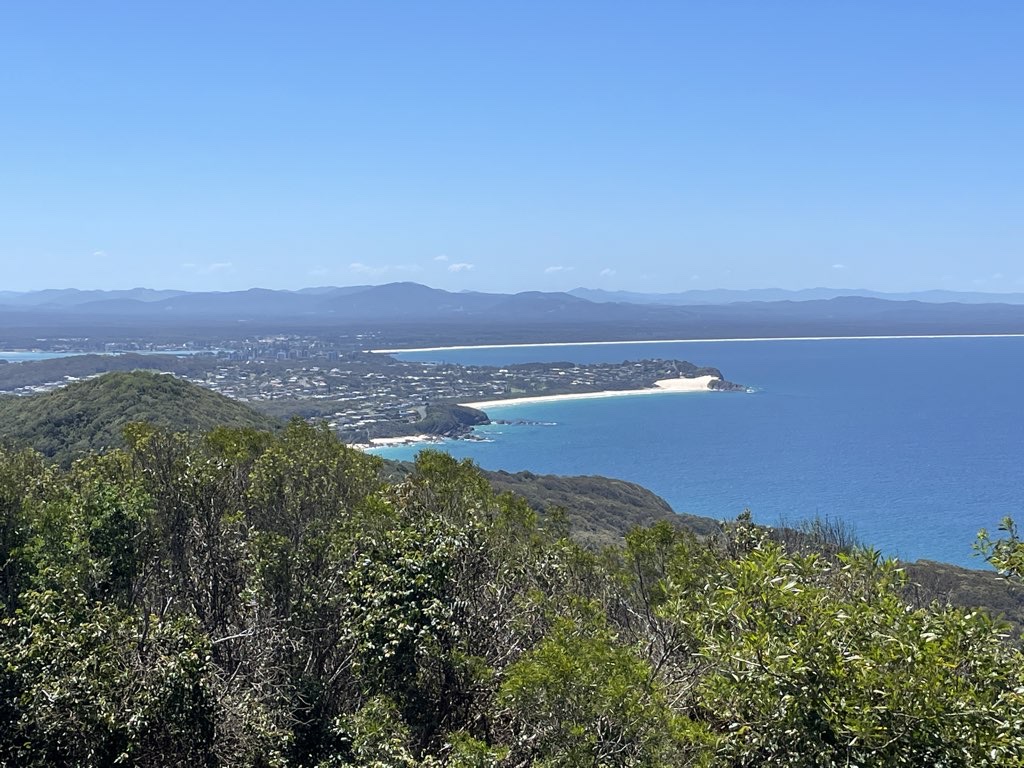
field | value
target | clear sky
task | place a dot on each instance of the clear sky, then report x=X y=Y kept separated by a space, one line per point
x=512 y=146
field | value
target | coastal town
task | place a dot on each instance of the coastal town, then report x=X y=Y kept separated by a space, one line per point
x=361 y=394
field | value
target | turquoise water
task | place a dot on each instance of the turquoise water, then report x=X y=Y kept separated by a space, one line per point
x=917 y=443
x=20 y=357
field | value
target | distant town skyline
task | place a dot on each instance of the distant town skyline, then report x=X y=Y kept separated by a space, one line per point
x=660 y=148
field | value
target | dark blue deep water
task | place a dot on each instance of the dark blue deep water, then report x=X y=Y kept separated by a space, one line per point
x=917 y=443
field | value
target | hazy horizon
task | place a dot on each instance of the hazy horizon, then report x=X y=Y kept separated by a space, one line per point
x=498 y=290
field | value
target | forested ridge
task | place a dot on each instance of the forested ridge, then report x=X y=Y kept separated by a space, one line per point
x=90 y=415
x=243 y=598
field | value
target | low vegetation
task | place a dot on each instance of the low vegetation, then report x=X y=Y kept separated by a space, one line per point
x=599 y=511
x=244 y=598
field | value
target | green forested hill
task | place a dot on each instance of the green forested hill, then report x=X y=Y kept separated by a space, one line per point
x=90 y=415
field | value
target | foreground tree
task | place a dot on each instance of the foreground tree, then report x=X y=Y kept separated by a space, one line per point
x=811 y=661
x=1005 y=554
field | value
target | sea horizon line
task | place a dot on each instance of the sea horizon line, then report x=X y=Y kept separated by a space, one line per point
x=522 y=345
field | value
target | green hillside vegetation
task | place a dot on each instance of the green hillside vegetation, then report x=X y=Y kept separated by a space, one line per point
x=599 y=511
x=90 y=415
x=252 y=599
x=596 y=511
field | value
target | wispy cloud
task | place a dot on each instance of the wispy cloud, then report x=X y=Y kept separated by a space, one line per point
x=371 y=269
x=838 y=266
x=995 y=277
x=607 y=272
x=100 y=254
x=442 y=257
x=556 y=268
x=460 y=266
x=208 y=269
x=365 y=269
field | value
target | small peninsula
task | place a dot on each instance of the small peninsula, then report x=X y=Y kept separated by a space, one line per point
x=549 y=382
x=704 y=383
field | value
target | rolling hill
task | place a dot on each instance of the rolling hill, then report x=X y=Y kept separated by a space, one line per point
x=90 y=415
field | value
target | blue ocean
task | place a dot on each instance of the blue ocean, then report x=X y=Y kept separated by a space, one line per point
x=20 y=356
x=12 y=356
x=915 y=443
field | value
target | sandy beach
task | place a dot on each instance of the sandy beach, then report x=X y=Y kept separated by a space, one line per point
x=699 y=384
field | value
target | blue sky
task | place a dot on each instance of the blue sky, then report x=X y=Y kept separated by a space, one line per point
x=530 y=145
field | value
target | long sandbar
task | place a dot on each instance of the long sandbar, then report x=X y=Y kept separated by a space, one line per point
x=698 y=341
x=663 y=386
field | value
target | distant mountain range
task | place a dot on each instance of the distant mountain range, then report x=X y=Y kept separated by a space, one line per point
x=390 y=301
x=416 y=314
x=69 y=297
x=727 y=296
x=325 y=298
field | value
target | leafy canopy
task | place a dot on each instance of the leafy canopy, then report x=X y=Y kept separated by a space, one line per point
x=243 y=598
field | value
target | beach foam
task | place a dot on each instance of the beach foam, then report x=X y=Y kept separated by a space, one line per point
x=391 y=442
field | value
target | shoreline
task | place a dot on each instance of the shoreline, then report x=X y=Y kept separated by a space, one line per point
x=458 y=347
x=662 y=387
x=392 y=442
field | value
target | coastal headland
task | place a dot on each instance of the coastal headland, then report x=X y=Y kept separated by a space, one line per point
x=706 y=383
x=662 y=386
